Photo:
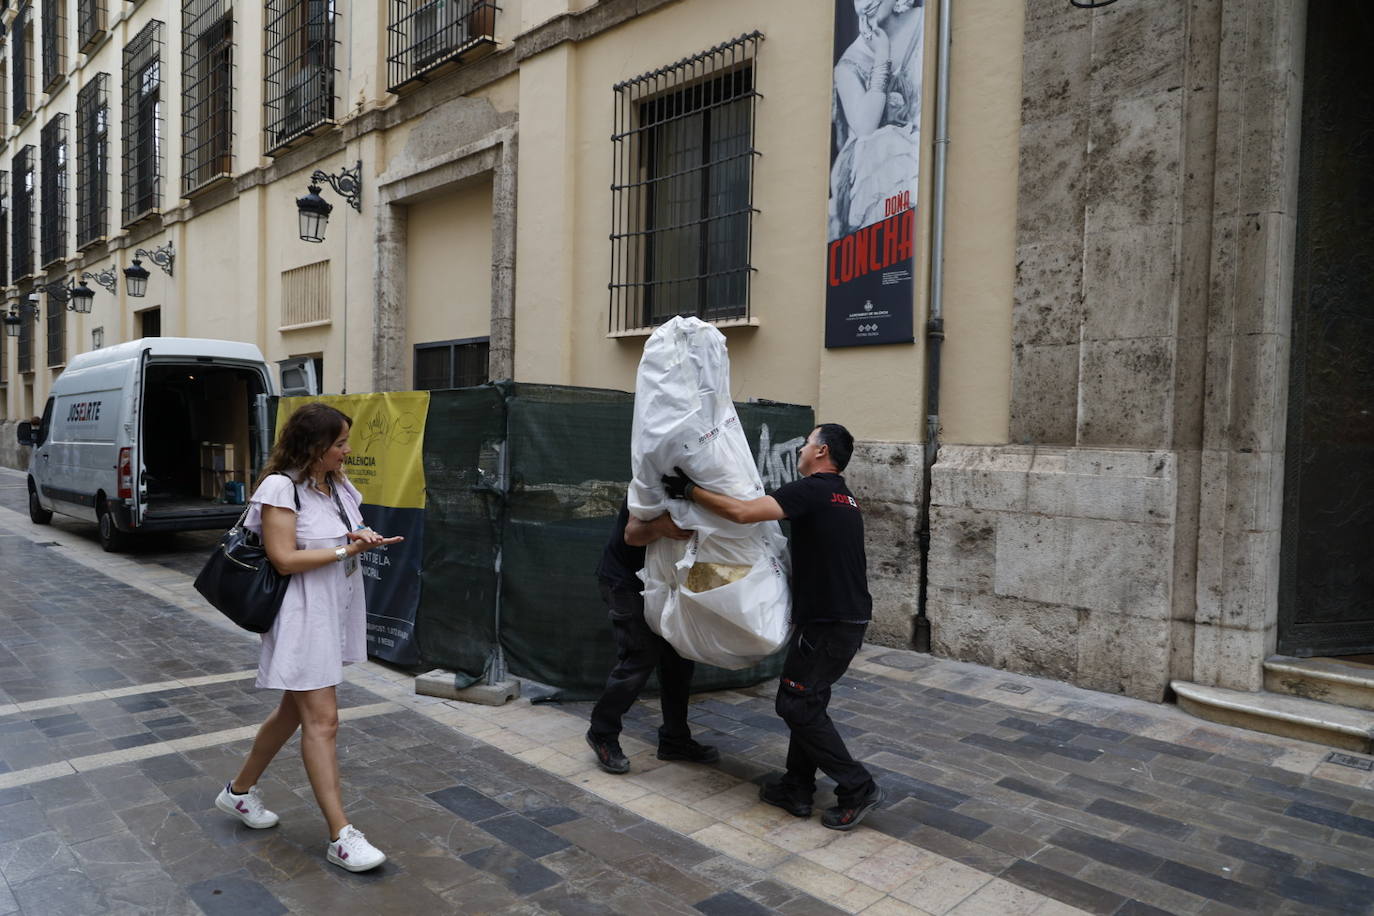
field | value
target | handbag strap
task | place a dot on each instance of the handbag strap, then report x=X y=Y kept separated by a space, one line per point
x=343 y=516
x=295 y=494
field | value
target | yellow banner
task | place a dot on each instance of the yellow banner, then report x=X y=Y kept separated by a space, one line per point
x=387 y=438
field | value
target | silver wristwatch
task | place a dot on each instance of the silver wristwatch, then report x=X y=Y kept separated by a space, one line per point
x=341 y=553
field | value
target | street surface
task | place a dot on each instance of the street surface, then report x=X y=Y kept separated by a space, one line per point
x=126 y=703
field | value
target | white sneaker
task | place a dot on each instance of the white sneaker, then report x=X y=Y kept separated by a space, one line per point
x=353 y=852
x=247 y=807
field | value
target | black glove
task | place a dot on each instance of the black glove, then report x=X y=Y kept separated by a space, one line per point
x=678 y=486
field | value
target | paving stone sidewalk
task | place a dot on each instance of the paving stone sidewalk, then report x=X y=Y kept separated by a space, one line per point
x=121 y=713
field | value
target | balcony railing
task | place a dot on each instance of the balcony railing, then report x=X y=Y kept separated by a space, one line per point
x=424 y=36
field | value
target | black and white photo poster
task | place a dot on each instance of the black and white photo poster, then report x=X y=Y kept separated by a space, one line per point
x=874 y=166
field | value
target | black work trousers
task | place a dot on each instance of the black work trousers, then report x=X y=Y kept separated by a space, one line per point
x=818 y=655
x=639 y=651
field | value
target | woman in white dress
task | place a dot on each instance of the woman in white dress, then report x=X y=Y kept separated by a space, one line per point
x=310 y=520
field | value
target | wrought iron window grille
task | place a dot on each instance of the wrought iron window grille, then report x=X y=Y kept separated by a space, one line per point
x=142 y=124
x=91 y=23
x=682 y=189
x=54 y=42
x=53 y=190
x=4 y=230
x=21 y=64
x=58 y=294
x=93 y=161
x=424 y=35
x=24 y=350
x=299 y=79
x=22 y=223
x=207 y=92
x=452 y=363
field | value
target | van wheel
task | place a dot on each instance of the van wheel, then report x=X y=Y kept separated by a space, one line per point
x=111 y=538
x=37 y=514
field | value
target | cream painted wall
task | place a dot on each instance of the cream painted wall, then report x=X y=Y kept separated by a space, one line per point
x=980 y=233
x=778 y=359
x=230 y=259
x=448 y=268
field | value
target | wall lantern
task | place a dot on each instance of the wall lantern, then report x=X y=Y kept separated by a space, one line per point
x=81 y=297
x=136 y=275
x=19 y=313
x=313 y=210
x=136 y=279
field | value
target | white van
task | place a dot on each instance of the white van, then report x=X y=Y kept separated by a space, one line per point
x=158 y=434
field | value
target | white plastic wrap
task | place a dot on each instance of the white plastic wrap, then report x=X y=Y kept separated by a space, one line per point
x=721 y=597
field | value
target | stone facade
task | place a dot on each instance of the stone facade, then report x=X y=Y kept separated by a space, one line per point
x=1130 y=536
x=886 y=479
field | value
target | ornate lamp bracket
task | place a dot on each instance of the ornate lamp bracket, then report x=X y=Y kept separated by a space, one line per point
x=348 y=184
x=163 y=257
x=106 y=278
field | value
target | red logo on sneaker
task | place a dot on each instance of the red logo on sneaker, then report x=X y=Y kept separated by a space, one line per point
x=241 y=807
x=342 y=854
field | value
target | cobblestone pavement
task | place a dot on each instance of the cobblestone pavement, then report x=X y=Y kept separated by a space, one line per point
x=125 y=704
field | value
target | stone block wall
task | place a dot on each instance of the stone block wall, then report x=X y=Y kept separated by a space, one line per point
x=12 y=454
x=1056 y=562
x=886 y=479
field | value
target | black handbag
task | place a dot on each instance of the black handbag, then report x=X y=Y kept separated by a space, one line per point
x=239 y=580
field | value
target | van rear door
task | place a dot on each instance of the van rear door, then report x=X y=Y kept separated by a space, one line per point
x=132 y=477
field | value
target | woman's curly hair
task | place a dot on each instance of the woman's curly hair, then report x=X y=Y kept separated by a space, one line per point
x=307 y=435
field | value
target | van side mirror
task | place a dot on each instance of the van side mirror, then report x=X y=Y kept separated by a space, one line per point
x=26 y=433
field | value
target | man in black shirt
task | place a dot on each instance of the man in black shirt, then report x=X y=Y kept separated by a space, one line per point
x=639 y=650
x=831 y=609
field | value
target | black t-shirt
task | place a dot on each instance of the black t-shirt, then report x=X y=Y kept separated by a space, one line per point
x=619 y=561
x=829 y=569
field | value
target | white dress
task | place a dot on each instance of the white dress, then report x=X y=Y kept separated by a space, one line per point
x=322 y=624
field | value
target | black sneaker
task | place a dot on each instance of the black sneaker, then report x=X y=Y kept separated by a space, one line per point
x=609 y=756
x=689 y=750
x=777 y=795
x=842 y=818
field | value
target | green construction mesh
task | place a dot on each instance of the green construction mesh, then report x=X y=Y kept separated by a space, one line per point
x=455 y=624
x=566 y=454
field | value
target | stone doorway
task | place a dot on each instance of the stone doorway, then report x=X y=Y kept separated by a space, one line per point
x=1326 y=578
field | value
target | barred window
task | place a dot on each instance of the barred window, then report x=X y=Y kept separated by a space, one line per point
x=423 y=35
x=93 y=160
x=91 y=22
x=299 y=82
x=451 y=363
x=24 y=354
x=57 y=322
x=21 y=63
x=53 y=242
x=22 y=226
x=207 y=58
x=4 y=83
x=4 y=230
x=682 y=192
x=305 y=295
x=143 y=123
x=54 y=42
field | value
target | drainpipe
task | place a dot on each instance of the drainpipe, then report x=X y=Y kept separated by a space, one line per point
x=935 y=324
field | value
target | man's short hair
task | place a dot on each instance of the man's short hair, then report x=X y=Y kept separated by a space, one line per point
x=837 y=441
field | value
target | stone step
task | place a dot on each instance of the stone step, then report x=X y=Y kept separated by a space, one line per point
x=1280 y=714
x=1330 y=680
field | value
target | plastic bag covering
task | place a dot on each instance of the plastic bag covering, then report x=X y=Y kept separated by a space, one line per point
x=546 y=520
x=721 y=597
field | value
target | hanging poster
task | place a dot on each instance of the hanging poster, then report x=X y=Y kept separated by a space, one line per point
x=874 y=165
x=386 y=466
